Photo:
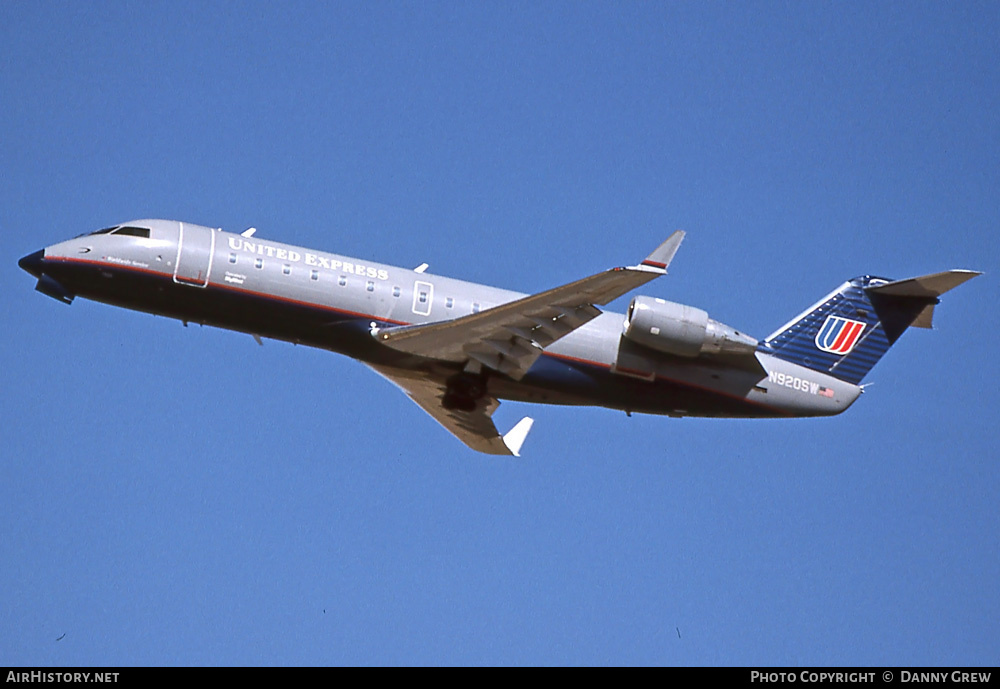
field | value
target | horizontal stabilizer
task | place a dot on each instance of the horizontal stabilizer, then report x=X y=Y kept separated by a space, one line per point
x=933 y=285
x=920 y=290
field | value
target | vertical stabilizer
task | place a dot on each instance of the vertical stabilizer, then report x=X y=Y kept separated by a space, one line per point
x=848 y=331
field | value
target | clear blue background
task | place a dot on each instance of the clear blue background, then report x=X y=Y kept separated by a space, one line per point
x=175 y=495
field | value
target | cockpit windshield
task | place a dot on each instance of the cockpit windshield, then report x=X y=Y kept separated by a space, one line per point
x=127 y=230
x=132 y=231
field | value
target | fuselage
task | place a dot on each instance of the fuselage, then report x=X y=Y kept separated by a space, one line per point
x=202 y=275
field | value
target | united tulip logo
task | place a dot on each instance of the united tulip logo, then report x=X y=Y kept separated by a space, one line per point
x=839 y=335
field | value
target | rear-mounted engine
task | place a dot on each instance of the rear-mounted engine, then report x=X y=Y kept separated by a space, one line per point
x=682 y=330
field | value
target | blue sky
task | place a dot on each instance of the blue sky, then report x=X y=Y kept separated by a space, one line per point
x=183 y=496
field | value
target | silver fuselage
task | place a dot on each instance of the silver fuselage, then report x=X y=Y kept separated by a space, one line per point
x=268 y=289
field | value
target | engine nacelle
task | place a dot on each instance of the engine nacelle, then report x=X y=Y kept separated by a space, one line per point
x=681 y=330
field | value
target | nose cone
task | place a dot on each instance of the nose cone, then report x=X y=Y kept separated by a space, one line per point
x=33 y=263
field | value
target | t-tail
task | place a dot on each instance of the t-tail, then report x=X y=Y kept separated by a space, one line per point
x=847 y=332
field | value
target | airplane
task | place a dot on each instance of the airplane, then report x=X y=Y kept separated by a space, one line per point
x=457 y=348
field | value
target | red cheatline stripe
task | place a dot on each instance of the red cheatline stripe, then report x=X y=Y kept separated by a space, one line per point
x=647 y=262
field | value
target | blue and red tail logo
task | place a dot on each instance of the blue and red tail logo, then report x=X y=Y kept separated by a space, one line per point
x=839 y=335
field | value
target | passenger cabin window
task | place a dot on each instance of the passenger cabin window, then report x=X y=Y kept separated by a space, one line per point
x=449 y=302
x=232 y=258
x=286 y=269
x=133 y=231
x=395 y=291
x=370 y=286
x=475 y=307
x=342 y=280
x=258 y=263
x=314 y=275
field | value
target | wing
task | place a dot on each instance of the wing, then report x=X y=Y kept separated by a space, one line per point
x=508 y=338
x=474 y=427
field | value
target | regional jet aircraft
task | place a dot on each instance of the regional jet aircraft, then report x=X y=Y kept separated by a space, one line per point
x=457 y=348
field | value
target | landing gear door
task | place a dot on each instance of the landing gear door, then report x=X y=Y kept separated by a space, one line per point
x=195 y=250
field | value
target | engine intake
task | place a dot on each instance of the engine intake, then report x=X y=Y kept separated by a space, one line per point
x=681 y=330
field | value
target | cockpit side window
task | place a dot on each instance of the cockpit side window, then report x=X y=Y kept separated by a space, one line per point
x=106 y=230
x=133 y=231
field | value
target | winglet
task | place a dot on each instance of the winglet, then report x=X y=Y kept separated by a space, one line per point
x=660 y=259
x=514 y=438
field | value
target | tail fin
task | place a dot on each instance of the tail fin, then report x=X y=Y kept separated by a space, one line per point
x=847 y=332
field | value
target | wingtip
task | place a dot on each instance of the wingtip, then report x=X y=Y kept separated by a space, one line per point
x=970 y=273
x=514 y=438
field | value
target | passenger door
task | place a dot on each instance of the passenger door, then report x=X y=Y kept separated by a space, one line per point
x=195 y=250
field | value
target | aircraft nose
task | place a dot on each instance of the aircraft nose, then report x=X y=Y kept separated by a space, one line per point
x=33 y=263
